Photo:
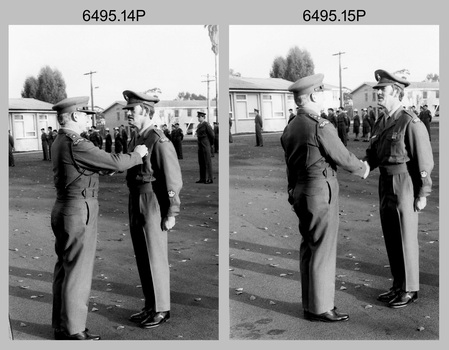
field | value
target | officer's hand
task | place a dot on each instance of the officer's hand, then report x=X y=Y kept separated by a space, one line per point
x=420 y=203
x=168 y=223
x=367 y=169
x=142 y=150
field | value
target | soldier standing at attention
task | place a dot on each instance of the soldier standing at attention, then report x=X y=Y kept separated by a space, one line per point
x=176 y=137
x=426 y=118
x=108 y=142
x=50 y=140
x=118 y=144
x=124 y=136
x=259 y=127
x=342 y=126
x=400 y=147
x=313 y=151
x=205 y=136
x=44 y=142
x=153 y=205
x=331 y=117
x=356 y=125
x=76 y=166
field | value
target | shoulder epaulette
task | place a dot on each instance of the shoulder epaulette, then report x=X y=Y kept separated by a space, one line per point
x=416 y=120
x=76 y=139
x=161 y=135
x=324 y=123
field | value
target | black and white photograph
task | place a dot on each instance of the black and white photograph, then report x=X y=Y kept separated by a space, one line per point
x=334 y=182
x=113 y=182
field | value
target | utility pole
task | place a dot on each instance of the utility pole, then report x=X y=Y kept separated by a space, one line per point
x=339 y=71
x=208 y=99
x=94 y=121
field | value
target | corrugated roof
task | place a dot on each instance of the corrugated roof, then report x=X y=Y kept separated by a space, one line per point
x=29 y=104
x=242 y=83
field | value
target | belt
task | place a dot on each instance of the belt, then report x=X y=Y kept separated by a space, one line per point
x=318 y=174
x=393 y=169
x=77 y=193
x=145 y=188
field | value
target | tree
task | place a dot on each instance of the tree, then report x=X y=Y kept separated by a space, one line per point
x=49 y=86
x=432 y=77
x=185 y=96
x=233 y=73
x=296 y=65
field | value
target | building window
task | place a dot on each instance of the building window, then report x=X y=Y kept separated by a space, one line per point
x=189 y=112
x=24 y=128
x=176 y=113
x=289 y=97
x=118 y=115
x=374 y=96
x=366 y=97
x=240 y=97
x=266 y=97
x=437 y=93
x=424 y=94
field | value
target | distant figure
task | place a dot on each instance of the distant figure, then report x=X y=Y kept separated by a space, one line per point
x=259 y=127
x=166 y=131
x=118 y=144
x=366 y=125
x=50 y=140
x=356 y=125
x=426 y=118
x=331 y=117
x=205 y=136
x=291 y=115
x=124 y=136
x=176 y=138
x=108 y=143
x=44 y=144
x=342 y=126
x=231 y=140
x=11 y=149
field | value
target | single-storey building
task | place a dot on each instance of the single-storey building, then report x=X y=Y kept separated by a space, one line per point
x=271 y=97
x=27 y=116
x=166 y=112
x=416 y=94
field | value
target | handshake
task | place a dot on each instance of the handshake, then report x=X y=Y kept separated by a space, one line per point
x=142 y=150
x=367 y=169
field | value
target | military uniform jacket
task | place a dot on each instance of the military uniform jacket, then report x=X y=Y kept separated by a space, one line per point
x=312 y=147
x=160 y=168
x=404 y=140
x=177 y=135
x=77 y=162
x=258 y=121
x=205 y=131
x=356 y=121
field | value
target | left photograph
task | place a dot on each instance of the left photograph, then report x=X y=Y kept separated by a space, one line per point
x=113 y=182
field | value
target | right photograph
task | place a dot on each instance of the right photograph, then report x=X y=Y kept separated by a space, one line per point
x=334 y=182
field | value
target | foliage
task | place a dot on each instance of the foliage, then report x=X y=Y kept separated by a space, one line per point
x=49 y=86
x=297 y=64
x=184 y=96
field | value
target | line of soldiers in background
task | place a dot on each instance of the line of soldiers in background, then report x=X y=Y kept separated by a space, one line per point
x=342 y=122
x=47 y=139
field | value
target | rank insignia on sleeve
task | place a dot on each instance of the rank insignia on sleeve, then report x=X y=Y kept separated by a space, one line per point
x=416 y=120
x=394 y=136
x=77 y=141
x=171 y=194
x=423 y=173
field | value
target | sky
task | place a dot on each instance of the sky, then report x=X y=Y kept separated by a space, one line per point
x=252 y=50
x=171 y=58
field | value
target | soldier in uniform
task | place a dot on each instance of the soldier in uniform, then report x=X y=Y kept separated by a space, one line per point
x=44 y=142
x=177 y=136
x=108 y=142
x=11 y=149
x=124 y=136
x=291 y=115
x=342 y=126
x=259 y=127
x=118 y=143
x=366 y=125
x=216 y=133
x=331 y=117
x=426 y=118
x=50 y=140
x=205 y=137
x=356 y=124
x=231 y=140
x=153 y=205
x=313 y=151
x=76 y=166
x=400 y=147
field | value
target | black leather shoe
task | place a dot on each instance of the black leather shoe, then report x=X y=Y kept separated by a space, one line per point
x=403 y=299
x=200 y=182
x=208 y=181
x=142 y=315
x=330 y=316
x=155 y=320
x=62 y=335
x=388 y=296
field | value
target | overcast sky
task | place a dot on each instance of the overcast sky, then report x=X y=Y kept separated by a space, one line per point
x=367 y=48
x=172 y=58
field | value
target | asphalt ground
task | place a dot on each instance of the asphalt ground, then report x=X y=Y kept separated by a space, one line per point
x=264 y=280
x=116 y=292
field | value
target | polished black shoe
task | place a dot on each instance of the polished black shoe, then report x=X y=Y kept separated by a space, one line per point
x=142 y=315
x=208 y=181
x=403 y=299
x=155 y=320
x=62 y=335
x=389 y=296
x=200 y=181
x=330 y=316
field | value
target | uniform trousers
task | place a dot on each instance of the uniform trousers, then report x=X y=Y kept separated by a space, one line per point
x=74 y=224
x=151 y=248
x=400 y=228
x=316 y=205
x=204 y=159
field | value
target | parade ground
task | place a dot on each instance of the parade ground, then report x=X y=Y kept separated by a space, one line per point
x=116 y=292
x=264 y=280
